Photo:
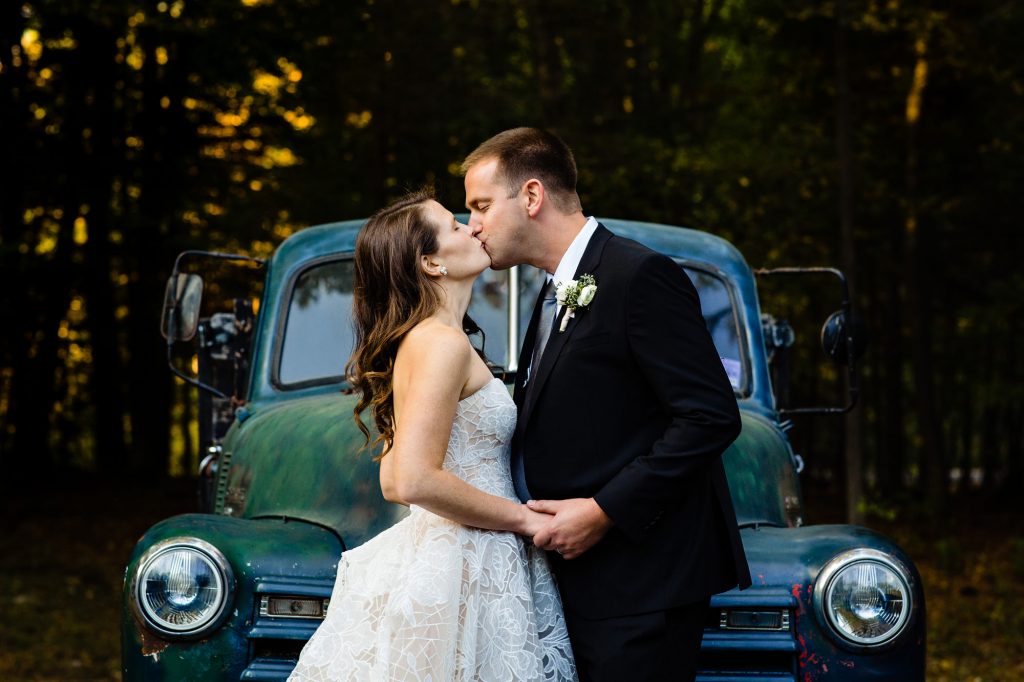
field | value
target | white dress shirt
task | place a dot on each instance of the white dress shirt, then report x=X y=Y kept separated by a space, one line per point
x=566 y=269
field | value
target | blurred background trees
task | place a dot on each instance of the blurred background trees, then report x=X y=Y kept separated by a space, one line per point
x=882 y=137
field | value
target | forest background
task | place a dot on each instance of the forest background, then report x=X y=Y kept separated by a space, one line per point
x=880 y=136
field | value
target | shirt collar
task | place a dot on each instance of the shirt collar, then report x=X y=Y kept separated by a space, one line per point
x=566 y=269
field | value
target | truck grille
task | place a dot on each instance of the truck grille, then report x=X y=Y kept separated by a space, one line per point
x=749 y=636
x=286 y=614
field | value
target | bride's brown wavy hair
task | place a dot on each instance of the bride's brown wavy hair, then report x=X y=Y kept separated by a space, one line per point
x=391 y=295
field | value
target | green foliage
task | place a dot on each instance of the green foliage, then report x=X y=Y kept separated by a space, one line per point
x=874 y=508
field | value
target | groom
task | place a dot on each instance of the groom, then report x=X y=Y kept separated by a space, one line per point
x=624 y=412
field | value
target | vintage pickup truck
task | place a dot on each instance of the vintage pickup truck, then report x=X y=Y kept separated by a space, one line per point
x=234 y=592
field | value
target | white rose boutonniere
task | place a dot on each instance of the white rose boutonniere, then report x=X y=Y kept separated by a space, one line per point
x=575 y=294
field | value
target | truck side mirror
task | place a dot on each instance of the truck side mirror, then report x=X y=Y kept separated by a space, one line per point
x=182 y=298
x=841 y=336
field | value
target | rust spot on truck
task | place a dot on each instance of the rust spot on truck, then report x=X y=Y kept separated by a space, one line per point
x=151 y=644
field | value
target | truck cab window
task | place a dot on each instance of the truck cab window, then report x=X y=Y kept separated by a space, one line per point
x=318 y=335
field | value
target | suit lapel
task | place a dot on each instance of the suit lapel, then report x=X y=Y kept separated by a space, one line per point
x=591 y=259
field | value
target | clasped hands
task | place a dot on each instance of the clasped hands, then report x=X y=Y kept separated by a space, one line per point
x=569 y=527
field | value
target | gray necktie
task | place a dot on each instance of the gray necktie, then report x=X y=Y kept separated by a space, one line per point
x=548 y=310
x=549 y=306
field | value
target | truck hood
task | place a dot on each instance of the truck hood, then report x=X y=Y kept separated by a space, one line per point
x=762 y=479
x=301 y=459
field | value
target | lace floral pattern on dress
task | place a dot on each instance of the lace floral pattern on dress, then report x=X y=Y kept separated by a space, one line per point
x=430 y=599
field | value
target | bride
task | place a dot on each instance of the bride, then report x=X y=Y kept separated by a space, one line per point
x=451 y=592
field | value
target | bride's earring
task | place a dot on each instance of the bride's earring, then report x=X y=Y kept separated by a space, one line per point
x=443 y=270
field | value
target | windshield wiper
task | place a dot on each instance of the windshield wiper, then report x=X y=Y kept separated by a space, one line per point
x=760 y=522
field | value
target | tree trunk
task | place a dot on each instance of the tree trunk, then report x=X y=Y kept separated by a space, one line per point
x=43 y=282
x=853 y=431
x=918 y=310
x=98 y=49
x=13 y=120
x=150 y=386
x=894 y=402
x=1014 y=482
x=1015 y=457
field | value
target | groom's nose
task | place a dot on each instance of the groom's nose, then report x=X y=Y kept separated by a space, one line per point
x=475 y=226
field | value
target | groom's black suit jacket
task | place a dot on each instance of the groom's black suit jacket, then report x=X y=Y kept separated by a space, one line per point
x=631 y=406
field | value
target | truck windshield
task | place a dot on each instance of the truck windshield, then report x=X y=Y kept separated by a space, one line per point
x=318 y=337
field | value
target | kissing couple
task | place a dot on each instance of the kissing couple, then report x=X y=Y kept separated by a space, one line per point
x=575 y=530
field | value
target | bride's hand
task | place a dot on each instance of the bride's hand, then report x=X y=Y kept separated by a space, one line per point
x=532 y=522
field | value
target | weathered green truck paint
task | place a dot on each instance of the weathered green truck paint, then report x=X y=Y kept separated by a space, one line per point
x=294 y=490
x=261 y=552
x=302 y=459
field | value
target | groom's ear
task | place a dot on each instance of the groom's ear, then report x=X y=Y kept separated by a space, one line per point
x=533 y=195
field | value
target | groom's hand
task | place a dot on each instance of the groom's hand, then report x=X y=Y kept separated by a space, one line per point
x=576 y=525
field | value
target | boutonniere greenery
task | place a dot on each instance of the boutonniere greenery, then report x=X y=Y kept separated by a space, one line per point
x=575 y=294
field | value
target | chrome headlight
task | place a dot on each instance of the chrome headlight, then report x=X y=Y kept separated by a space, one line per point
x=182 y=587
x=864 y=597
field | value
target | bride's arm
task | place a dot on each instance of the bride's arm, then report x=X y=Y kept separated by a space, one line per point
x=431 y=370
x=387 y=480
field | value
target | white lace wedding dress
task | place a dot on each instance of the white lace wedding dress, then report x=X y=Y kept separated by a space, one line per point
x=430 y=599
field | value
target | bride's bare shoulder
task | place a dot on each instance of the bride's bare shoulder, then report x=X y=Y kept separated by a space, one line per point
x=435 y=356
x=431 y=339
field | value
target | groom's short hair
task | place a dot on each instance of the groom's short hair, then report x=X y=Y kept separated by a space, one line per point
x=525 y=153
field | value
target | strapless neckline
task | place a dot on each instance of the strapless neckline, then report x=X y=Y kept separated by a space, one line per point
x=480 y=390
